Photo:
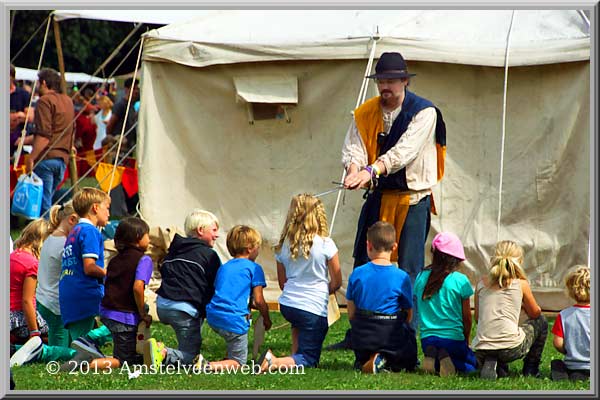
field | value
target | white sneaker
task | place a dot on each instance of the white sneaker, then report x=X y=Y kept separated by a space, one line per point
x=30 y=351
x=88 y=346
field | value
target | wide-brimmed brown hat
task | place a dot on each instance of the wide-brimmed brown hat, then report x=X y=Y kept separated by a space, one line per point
x=391 y=66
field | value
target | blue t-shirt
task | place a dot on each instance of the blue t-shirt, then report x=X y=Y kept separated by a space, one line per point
x=441 y=315
x=80 y=295
x=228 y=309
x=378 y=288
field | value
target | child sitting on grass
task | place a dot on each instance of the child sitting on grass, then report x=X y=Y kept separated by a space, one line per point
x=25 y=320
x=499 y=297
x=572 y=329
x=379 y=305
x=445 y=309
x=238 y=281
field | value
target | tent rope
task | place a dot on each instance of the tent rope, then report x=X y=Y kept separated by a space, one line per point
x=512 y=17
x=111 y=56
x=24 y=131
x=91 y=169
x=137 y=64
x=584 y=17
x=47 y=150
x=28 y=40
x=362 y=94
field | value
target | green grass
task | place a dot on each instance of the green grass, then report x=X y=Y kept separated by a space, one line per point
x=335 y=371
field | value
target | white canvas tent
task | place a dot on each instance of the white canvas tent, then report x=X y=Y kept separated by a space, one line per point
x=198 y=149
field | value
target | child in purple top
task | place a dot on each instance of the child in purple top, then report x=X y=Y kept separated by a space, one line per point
x=123 y=305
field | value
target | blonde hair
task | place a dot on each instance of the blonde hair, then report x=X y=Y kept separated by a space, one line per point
x=33 y=236
x=241 y=238
x=86 y=198
x=58 y=213
x=305 y=219
x=105 y=101
x=198 y=219
x=506 y=264
x=578 y=283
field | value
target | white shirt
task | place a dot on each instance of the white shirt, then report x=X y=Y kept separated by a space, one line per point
x=49 y=273
x=307 y=286
x=416 y=151
x=101 y=121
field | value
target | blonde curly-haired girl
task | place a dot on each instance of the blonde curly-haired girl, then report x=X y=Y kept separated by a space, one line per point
x=308 y=270
x=572 y=329
x=499 y=297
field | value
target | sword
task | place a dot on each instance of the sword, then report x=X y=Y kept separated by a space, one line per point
x=329 y=191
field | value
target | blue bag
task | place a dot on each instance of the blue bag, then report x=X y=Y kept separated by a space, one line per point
x=27 y=197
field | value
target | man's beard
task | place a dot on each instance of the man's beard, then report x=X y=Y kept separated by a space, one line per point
x=388 y=100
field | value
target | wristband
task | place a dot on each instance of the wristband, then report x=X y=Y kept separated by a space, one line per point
x=376 y=169
x=34 y=333
x=369 y=169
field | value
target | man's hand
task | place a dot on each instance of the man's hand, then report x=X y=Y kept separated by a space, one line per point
x=356 y=180
x=29 y=165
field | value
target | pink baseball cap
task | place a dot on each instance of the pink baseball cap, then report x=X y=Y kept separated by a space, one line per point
x=448 y=243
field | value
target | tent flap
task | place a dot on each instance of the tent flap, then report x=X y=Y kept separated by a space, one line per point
x=267 y=89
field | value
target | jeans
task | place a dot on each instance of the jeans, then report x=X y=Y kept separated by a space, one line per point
x=237 y=344
x=411 y=246
x=461 y=355
x=51 y=172
x=124 y=341
x=187 y=330
x=312 y=329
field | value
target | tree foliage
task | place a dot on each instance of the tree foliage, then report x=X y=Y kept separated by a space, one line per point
x=86 y=43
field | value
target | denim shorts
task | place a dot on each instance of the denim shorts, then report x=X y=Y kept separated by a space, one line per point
x=312 y=329
x=237 y=344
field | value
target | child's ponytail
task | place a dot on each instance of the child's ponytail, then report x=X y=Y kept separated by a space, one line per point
x=58 y=213
x=506 y=264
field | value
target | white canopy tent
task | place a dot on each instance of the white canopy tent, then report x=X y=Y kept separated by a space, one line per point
x=28 y=74
x=198 y=149
x=160 y=17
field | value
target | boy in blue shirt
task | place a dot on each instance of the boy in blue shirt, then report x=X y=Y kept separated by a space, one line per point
x=379 y=297
x=81 y=285
x=238 y=281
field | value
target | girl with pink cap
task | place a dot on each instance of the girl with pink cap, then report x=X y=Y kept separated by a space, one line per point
x=444 y=309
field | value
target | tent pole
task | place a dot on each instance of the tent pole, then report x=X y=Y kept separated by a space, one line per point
x=361 y=99
x=59 y=53
x=63 y=86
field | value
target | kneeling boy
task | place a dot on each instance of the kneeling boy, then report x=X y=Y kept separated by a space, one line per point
x=238 y=281
x=380 y=304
